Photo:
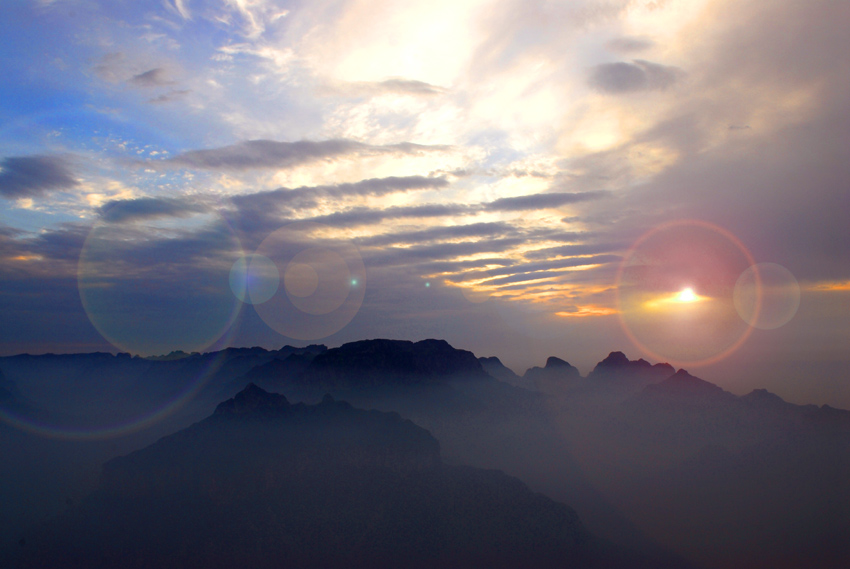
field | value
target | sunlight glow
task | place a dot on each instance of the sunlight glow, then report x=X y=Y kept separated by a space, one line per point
x=683 y=297
x=687 y=295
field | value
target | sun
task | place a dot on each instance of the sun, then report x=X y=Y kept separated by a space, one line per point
x=675 y=300
x=687 y=295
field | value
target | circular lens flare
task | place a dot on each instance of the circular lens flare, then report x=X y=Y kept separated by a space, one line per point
x=50 y=419
x=323 y=281
x=152 y=286
x=675 y=293
x=767 y=296
x=254 y=279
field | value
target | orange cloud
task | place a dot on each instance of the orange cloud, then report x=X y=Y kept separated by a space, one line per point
x=589 y=310
x=835 y=286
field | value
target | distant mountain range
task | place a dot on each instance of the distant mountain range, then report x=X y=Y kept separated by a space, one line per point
x=263 y=483
x=662 y=463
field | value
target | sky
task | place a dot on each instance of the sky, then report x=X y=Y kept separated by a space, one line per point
x=667 y=178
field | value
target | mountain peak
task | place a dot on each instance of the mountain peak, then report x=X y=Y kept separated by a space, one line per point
x=494 y=367
x=683 y=383
x=553 y=362
x=614 y=360
x=618 y=365
x=253 y=399
x=554 y=375
x=381 y=362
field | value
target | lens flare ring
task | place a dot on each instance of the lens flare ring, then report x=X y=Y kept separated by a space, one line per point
x=184 y=264
x=674 y=293
x=43 y=427
x=323 y=278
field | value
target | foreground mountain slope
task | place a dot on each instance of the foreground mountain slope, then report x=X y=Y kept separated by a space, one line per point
x=263 y=483
x=749 y=481
x=479 y=420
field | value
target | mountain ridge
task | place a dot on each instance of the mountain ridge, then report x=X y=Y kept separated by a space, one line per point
x=309 y=485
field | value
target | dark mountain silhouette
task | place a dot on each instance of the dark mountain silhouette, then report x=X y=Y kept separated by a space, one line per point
x=618 y=366
x=263 y=483
x=271 y=375
x=479 y=420
x=82 y=392
x=649 y=457
x=556 y=374
x=429 y=373
x=495 y=368
x=729 y=481
x=383 y=363
x=8 y=390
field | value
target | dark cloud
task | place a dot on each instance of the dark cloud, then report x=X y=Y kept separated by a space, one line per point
x=578 y=249
x=542 y=201
x=410 y=87
x=562 y=236
x=110 y=66
x=440 y=233
x=118 y=211
x=8 y=232
x=307 y=195
x=404 y=256
x=170 y=96
x=639 y=75
x=548 y=269
x=272 y=154
x=395 y=85
x=457 y=266
x=33 y=176
x=541 y=266
x=363 y=215
x=629 y=44
x=48 y=254
x=63 y=243
x=156 y=77
x=187 y=251
x=262 y=212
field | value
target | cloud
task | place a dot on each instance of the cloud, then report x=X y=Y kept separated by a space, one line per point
x=435 y=267
x=118 y=211
x=542 y=266
x=629 y=44
x=172 y=95
x=363 y=215
x=571 y=250
x=407 y=255
x=178 y=6
x=155 y=77
x=542 y=201
x=394 y=85
x=262 y=211
x=640 y=75
x=34 y=176
x=110 y=66
x=410 y=87
x=272 y=154
x=63 y=243
x=440 y=233
x=548 y=269
x=308 y=194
